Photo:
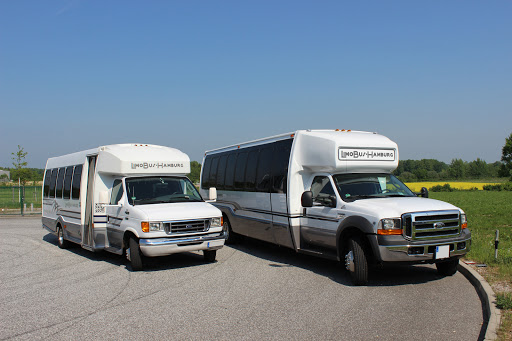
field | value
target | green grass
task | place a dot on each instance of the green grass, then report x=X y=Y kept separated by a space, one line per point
x=9 y=198
x=488 y=212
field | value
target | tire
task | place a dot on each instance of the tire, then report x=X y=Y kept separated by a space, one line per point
x=356 y=261
x=134 y=255
x=231 y=237
x=209 y=255
x=63 y=243
x=448 y=268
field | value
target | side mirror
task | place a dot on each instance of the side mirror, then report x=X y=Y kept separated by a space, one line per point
x=212 y=194
x=333 y=201
x=307 y=199
x=424 y=192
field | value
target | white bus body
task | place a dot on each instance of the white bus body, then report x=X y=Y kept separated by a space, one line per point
x=331 y=193
x=129 y=197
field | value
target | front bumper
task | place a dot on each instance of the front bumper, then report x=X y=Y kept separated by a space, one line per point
x=397 y=249
x=154 y=247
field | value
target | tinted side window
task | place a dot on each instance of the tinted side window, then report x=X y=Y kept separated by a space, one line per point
x=53 y=182
x=60 y=182
x=263 y=170
x=67 y=182
x=205 y=183
x=230 y=171
x=77 y=178
x=213 y=171
x=250 y=171
x=241 y=163
x=221 y=171
x=46 y=186
x=322 y=189
x=280 y=162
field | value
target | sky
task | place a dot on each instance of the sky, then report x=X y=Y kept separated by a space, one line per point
x=433 y=76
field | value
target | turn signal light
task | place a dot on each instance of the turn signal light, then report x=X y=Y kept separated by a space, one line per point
x=391 y=232
x=464 y=226
x=144 y=226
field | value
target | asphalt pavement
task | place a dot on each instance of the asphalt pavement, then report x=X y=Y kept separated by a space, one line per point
x=255 y=291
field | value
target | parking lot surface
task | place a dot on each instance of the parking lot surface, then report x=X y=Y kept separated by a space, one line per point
x=254 y=291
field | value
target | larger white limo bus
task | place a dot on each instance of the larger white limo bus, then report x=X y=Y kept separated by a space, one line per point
x=132 y=199
x=331 y=193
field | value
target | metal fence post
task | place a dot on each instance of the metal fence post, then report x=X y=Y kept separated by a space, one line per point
x=22 y=198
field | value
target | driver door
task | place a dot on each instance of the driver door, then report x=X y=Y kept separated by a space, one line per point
x=319 y=225
x=116 y=213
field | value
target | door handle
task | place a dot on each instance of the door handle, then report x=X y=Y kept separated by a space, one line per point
x=126 y=212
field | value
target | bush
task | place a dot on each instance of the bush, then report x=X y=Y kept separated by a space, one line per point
x=442 y=188
x=498 y=187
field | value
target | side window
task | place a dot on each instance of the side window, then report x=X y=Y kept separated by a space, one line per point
x=230 y=171
x=117 y=192
x=221 y=171
x=250 y=171
x=263 y=170
x=322 y=190
x=280 y=162
x=67 y=182
x=213 y=171
x=205 y=179
x=60 y=183
x=75 y=185
x=46 y=186
x=241 y=162
x=53 y=182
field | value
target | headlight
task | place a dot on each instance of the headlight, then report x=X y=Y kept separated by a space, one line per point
x=156 y=226
x=390 y=227
x=463 y=221
x=151 y=226
x=216 y=222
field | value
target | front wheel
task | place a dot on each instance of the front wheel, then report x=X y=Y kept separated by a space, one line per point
x=447 y=268
x=356 y=261
x=209 y=255
x=134 y=255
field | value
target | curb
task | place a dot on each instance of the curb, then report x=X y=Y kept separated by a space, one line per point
x=492 y=314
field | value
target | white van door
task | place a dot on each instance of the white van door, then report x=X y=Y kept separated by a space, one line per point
x=319 y=225
x=116 y=213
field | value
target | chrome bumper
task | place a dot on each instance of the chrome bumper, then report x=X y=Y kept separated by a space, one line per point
x=155 y=247
x=421 y=252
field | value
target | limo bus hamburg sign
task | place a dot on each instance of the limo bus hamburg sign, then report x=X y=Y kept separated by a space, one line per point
x=366 y=154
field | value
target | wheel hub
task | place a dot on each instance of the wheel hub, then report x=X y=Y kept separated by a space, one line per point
x=349 y=261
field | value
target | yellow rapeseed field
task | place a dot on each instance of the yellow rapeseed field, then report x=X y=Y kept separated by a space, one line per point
x=416 y=186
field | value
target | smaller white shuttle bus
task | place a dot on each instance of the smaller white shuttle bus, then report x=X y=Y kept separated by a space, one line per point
x=331 y=193
x=132 y=198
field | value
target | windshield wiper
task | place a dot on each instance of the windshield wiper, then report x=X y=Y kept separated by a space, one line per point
x=357 y=197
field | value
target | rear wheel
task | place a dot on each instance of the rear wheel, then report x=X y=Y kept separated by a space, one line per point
x=134 y=255
x=63 y=243
x=209 y=255
x=356 y=261
x=447 y=268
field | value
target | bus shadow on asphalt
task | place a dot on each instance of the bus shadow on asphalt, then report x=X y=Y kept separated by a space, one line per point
x=391 y=275
x=175 y=261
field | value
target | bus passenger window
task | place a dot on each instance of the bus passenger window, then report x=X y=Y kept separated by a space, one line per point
x=75 y=186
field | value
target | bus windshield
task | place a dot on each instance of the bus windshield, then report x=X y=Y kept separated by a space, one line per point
x=363 y=186
x=160 y=189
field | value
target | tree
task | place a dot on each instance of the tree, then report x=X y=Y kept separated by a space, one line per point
x=478 y=169
x=506 y=157
x=457 y=169
x=195 y=171
x=19 y=163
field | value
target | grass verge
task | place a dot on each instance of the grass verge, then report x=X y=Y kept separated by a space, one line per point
x=487 y=212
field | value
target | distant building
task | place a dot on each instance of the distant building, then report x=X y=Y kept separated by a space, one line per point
x=3 y=178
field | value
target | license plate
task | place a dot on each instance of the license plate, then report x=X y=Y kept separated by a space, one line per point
x=442 y=251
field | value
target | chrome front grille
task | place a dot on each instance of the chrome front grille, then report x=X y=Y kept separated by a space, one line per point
x=431 y=225
x=187 y=226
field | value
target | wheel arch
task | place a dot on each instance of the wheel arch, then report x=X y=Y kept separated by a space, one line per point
x=355 y=227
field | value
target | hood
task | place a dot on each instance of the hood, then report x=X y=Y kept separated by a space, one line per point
x=179 y=211
x=395 y=207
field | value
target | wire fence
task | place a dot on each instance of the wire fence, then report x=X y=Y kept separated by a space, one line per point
x=20 y=200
